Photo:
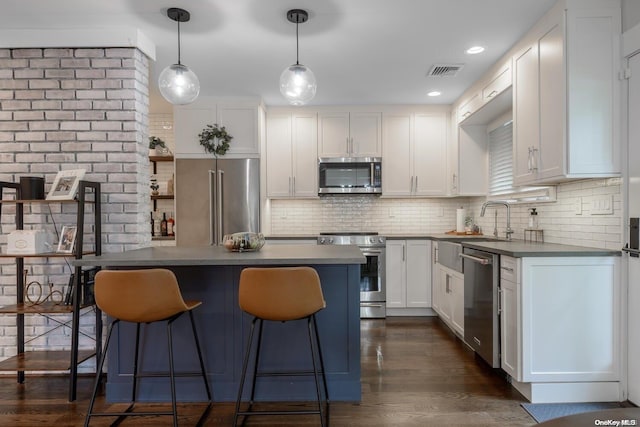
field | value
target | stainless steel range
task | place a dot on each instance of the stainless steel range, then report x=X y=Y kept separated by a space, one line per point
x=373 y=296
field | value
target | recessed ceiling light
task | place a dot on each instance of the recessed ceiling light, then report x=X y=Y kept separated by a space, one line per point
x=434 y=93
x=475 y=49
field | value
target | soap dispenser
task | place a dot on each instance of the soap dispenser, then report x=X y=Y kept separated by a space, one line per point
x=533 y=218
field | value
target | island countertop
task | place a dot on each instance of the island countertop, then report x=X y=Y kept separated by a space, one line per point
x=218 y=255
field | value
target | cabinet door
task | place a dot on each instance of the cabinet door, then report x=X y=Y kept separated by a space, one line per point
x=549 y=159
x=469 y=107
x=365 y=132
x=188 y=123
x=279 y=155
x=242 y=123
x=430 y=154
x=333 y=135
x=305 y=158
x=445 y=291
x=509 y=329
x=453 y=172
x=397 y=169
x=418 y=273
x=456 y=284
x=526 y=114
x=396 y=274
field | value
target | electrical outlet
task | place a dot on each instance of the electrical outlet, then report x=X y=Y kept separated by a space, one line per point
x=577 y=209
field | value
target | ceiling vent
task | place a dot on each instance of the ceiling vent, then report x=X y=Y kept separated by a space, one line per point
x=445 y=70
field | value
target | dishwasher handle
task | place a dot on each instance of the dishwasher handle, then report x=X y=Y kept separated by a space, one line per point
x=483 y=261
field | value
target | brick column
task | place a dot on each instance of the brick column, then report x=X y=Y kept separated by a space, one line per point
x=74 y=109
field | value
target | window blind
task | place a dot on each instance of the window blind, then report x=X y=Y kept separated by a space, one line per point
x=501 y=159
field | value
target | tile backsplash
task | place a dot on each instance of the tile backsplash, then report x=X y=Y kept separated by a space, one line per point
x=560 y=220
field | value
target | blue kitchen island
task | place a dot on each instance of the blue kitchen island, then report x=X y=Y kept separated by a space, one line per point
x=211 y=274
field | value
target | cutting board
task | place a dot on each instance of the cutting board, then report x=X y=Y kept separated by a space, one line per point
x=463 y=233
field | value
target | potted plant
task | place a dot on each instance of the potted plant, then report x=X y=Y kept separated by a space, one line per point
x=157 y=147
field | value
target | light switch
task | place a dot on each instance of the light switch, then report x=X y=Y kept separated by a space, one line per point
x=602 y=205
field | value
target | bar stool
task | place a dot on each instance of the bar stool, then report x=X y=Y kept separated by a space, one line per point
x=282 y=294
x=144 y=296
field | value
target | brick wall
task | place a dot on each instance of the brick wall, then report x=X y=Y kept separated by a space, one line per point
x=73 y=109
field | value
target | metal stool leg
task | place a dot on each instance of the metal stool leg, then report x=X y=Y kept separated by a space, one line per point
x=245 y=364
x=257 y=362
x=172 y=373
x=201 y=360
x=99 y=374
x=316 y=377
x=322 y=370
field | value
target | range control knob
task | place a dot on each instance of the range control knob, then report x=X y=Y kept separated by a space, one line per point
x=330 y=240
x=322 y=240
x=372 y=239
x=381 y=239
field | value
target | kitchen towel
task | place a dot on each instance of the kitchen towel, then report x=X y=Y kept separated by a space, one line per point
x=461 y=214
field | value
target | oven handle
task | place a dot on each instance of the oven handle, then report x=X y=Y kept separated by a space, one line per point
x=483 y=261
x=370 y=252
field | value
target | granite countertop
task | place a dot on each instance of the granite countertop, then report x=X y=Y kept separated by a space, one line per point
x=520 y=248
x=217 y=255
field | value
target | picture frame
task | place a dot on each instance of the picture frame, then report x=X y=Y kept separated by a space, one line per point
x=67 y=239
x=65 y=184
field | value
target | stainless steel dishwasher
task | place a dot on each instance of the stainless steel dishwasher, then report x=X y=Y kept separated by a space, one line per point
x=481 y=322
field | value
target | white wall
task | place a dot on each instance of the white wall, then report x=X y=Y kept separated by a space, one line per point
x=630 y=14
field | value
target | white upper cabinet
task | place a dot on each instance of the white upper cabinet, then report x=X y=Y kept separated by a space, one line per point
x=291 y=155
x=241 y=120
x=414 y=154
x=350 y=134
x=566 y=95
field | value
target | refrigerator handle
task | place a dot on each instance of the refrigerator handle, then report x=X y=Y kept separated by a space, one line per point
x=212 y=207
x=220 y=209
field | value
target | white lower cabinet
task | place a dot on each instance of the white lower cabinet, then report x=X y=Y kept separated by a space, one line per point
x=408 y=273
x=560 y=328
x=509 y=322
x=450 y=296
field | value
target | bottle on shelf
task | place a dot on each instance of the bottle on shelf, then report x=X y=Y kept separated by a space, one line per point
x=170 y=225
x=153 y=229
x=163 y=225
x=533 y=218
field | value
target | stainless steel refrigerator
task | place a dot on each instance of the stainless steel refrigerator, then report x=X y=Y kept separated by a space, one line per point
x=216 y=198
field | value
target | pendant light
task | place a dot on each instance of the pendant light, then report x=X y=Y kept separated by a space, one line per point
x=178 y=84
x=297 y=82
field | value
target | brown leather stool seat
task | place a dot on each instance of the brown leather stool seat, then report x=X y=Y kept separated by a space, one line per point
x=282 y=294
x=144 y=296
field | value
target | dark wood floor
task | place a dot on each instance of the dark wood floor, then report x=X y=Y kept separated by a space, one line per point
x=414 y=373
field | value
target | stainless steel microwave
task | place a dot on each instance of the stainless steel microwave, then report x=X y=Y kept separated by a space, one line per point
x=347 y=175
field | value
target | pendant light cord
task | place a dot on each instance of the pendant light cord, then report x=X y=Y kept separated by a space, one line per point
x=179 y=63
x=297 y=47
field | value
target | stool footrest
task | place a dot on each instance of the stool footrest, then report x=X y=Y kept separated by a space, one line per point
x=286 y=373
x=166 y=375
x=279 y=413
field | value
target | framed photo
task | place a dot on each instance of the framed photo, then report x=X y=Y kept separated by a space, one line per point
x=67 y=239
x=65 y=185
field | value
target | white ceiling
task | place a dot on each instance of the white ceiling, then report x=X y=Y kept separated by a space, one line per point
x=361 y=51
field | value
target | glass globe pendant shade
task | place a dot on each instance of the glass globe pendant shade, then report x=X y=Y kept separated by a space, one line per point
x=298 y=84
x=178 y=84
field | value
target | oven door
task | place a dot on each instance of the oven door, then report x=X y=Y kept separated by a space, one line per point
x=373 y=294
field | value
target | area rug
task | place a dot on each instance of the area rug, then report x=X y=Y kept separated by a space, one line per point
x=546 y=411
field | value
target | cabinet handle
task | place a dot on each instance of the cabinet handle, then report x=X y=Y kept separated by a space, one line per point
x=290 y=188
x=455 y=182
x=499 y=301
x=294 y=185
x=492 y=94
x=416 y=189
x=529 y=160
x=534 y=160
x=435 y=255
x=403 y=252
x=447 y=289
x=467 y=114
x=509 y=269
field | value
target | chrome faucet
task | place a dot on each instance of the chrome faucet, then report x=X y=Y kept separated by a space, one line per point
x=509 y=231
